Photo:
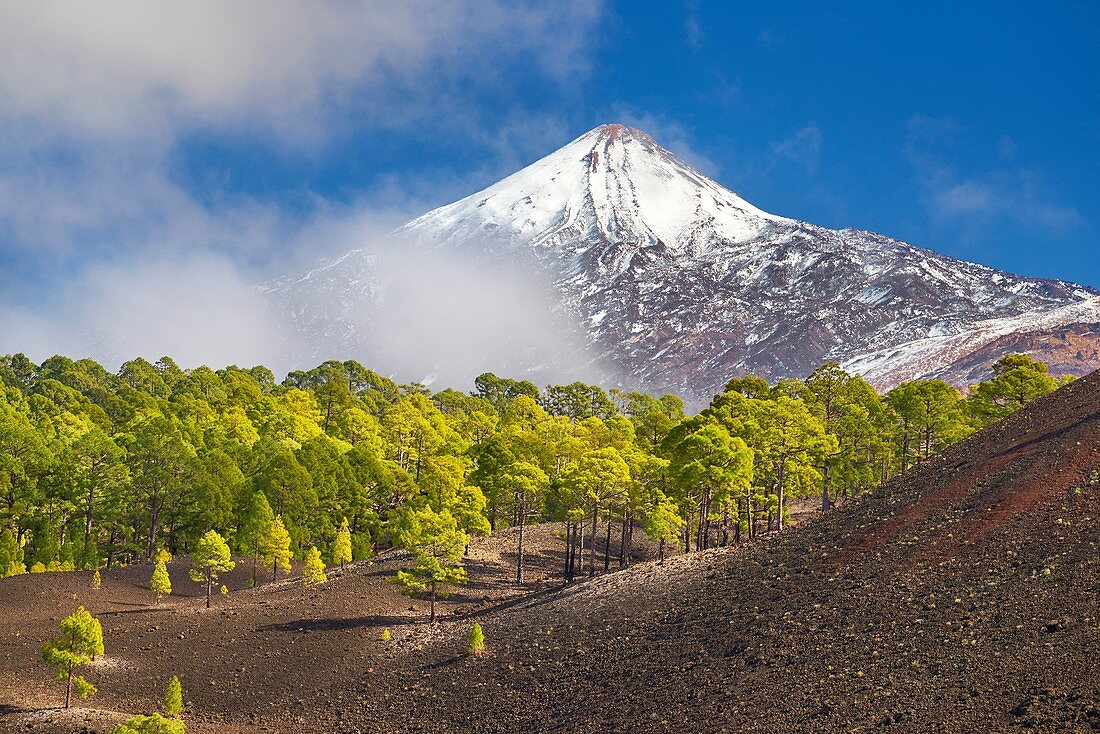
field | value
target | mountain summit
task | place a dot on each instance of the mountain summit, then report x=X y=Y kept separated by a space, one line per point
x=613 y=186
x=677 y=283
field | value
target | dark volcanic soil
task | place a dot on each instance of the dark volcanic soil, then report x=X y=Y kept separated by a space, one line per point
x=963 y=596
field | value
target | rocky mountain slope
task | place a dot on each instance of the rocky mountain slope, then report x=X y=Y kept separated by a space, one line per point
x=676 y=283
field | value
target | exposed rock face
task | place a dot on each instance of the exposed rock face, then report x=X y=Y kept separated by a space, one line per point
x=678 y=283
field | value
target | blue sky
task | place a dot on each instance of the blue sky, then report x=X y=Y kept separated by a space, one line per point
x=151 y=152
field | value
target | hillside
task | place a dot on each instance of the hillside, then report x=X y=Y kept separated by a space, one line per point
x=664 y=280
x=961 y=596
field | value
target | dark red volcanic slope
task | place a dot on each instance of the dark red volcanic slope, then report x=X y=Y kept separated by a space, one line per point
x=962 y=596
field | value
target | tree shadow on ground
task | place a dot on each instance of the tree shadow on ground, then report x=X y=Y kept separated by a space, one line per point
x=342 y=624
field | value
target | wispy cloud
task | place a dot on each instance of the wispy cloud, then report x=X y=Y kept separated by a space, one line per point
x=693 y=28
x=981 y=201
x=671 y=134
x=803 y=148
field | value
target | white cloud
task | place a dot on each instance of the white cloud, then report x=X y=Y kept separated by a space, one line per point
x=111 y=68
x=96 y=99
x=198 y=309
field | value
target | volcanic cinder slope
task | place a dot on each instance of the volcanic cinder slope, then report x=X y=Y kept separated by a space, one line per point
x=963 y=596
x=676 y=283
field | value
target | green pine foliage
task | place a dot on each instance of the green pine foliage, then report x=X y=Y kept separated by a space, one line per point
x=275 y=547
x=97 y=579
x=160 y=583
x=476 y=639
x=386 y=635
x=209 y=559
x=150 y=724
x=80 y=641
x=94 y=465
x=173 y=698
x=341 y=550
x=437 y=545
x=313 y=568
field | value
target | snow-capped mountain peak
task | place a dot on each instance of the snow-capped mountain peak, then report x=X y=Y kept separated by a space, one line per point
x=615 y=184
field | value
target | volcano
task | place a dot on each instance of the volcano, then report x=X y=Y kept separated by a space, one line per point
x=676 y=283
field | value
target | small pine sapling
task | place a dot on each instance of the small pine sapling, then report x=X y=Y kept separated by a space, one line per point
x=160 y=584
x=477 y=639
x=275 y=547
x=313 y=568
x=341 y=551
x=97 y=644
x=211 y=557
x=386 y=635
x=173 y=698
x=97 y=579
x=81 y=639
x=152 y=724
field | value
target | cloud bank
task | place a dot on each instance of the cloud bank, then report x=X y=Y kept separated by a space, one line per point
x=109 y=252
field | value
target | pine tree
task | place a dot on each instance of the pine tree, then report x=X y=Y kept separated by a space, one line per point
x=81 y=639
x=437 y=545
x=173 y=698
x=386 y=635
x=275 y=548
x=97 y=579
x=160 y=583
x=662 y=522
x=477 y=639
x=210 y=558
x=97 y=638
x=341 y=552
x=313 y=568
x=152 y=724
x=256 y=527
x=11 y=555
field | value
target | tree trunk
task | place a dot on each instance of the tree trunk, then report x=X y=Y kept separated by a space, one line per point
x=69 y=681
x=827 y=476
x=88 y=515
x=782 y=477
x=661 y=550
x=568 y=548
x=592 y=550
x=433 y=601
x=737 y=527
x=209 y=584
x=522 y=522
x=607 y=544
